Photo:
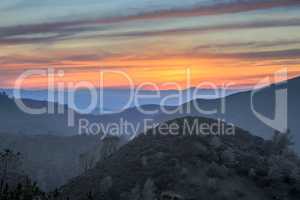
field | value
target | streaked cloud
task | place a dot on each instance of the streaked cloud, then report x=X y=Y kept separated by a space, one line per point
x=223 y=27
x=62 y=31
x=150 y=39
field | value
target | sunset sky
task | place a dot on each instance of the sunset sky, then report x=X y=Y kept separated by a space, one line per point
x=240 y=41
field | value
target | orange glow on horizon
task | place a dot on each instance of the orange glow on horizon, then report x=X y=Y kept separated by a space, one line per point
x=165 y=73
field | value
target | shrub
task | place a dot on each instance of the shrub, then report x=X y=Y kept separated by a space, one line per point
x=281 y=142
x=238 y=193
x=149 y=190
x=216 y=142
x=228 y=156
x=135 y=193
x=252 y=173
x=281 y=168
x=216 y=171
x=106 y=184
x=212 y=185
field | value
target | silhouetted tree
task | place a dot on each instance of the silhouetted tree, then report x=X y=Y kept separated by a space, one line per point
x=9 y=161
x=90 y=196
x=281 y=141
x=135 y=193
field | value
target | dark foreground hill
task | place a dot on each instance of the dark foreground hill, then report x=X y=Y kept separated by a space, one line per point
x=192 y=165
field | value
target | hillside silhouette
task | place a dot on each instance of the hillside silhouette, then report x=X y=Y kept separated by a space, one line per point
x=192 y=167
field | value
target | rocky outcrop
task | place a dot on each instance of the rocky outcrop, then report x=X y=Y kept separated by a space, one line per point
x=99 y=153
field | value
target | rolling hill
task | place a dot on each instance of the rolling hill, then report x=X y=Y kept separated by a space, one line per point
x=13 y=120
x=238 y=111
